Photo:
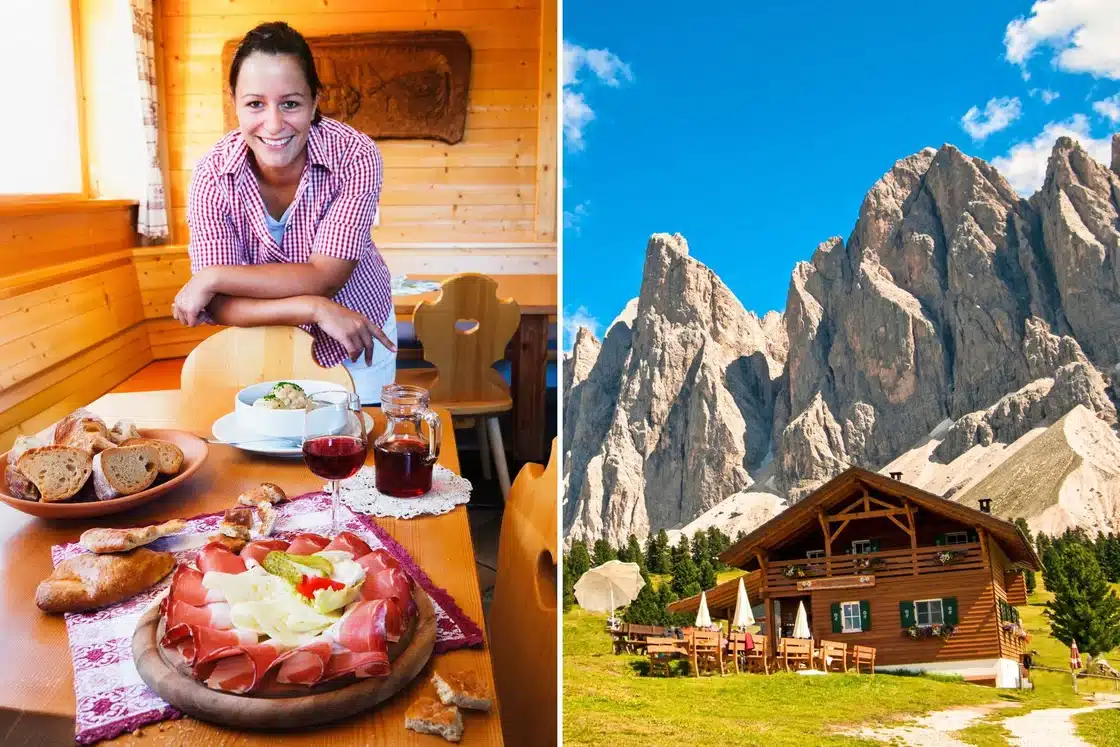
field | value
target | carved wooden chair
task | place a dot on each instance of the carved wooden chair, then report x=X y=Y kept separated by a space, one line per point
x=759 y=656
x=863 y=656
x=795 y=652
x=737 y=649
x=833 y=654
x=663 y=651
x=463 y=333
x=705 y=650
x=227 y=362
x=523 y=615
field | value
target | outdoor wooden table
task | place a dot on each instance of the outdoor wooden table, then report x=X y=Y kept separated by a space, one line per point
x=537 y=297
x=36 y=677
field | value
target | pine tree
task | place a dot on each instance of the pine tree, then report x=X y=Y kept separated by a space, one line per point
x=686 y=577
x=717 y=543
x=569 y=585
x=602 y=553
x=700 y=551
x=707 y=575
x=664 y=553
x=1084 y=608
x=579 y=560
x=679 y=552
x=740 y=536
x=634 y=553
x=623 y=554
x=1032 y=583
x=651 y=555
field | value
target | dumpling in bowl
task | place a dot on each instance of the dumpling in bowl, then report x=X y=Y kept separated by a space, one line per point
x=284 y=396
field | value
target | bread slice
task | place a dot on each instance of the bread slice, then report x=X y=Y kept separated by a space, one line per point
x=429 y=716
x=170 y=456
x=123 y=540
x=123 y=431
x=89 y=582
x=17 y=482
x=266 y=491
x=83 y=430
x=462 y=689
x=58 y=472
x=124 y=470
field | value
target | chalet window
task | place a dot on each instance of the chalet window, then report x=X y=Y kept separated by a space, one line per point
x=851 y=617
x=850 y=611
x=956 y=538
x=814 y=553
x=861 y=546
x=929 y=612
x=42 y=32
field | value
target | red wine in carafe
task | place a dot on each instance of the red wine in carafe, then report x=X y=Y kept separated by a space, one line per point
x=403 y=468
x=334 y=457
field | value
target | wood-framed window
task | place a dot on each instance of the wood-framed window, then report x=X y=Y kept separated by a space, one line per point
x=929 y=612
x=956 y=538
x=851 y=617
x=810 y=554
x=44 y=31
x=860 y=547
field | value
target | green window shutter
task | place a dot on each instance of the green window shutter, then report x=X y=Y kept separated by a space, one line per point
x=837 y=618
x=864 y=614
x=939 y=539
x=973 y=536
x=875 y=545
x=949 y=608
x=906 y=613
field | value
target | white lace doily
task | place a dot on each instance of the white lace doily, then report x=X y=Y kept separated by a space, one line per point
x=448 y=491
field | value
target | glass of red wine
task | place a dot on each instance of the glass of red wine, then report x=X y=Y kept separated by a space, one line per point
x=334 y=440
x=403 y=456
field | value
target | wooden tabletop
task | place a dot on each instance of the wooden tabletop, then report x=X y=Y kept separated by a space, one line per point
x=535 y=294
x=36 y=679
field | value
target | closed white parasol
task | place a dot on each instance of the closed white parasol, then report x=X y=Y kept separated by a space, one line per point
x=743 y=615
x=703 y=618
x=801 y=623
x=609 y=586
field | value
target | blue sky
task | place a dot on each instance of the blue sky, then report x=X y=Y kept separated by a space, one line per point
x=756 y=132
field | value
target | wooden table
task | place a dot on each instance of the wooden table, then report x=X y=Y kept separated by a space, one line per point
x=36 y=679
x=537 y=297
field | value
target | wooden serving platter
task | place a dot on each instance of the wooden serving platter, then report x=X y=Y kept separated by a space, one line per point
x=281 y=707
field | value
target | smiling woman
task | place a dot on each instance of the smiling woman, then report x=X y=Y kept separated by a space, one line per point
x=280 y=212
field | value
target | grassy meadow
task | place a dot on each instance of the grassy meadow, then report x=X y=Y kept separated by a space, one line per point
x=609 y=699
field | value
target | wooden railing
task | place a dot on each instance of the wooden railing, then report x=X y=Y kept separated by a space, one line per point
x=885 y=564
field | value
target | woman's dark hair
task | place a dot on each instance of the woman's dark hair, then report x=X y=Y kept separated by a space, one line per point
x=276 y=37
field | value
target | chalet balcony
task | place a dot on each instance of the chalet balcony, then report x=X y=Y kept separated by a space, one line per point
x=881 y=565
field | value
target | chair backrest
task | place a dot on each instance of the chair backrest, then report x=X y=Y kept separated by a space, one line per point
x=227 y=362
x=830 y=647
x=523 y=614
x=647 y=630
x=863 y=652
x=761 y=642
x=797 y=646
x=464 y=332
x=705 y=639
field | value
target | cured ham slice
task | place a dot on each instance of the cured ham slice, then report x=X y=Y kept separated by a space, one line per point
x=216 y=615
x=238 y=669
x=351 y=543
x=255 y=552
x=391 y=583
x=369 y=624
x=194 y=642
x=216 y=557
x=360 y=664
x=308 y=544
x=186 y=587
x=378 y=560
x=305 y=665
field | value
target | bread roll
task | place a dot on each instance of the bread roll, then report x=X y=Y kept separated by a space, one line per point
x=90 y=582
x=83 y=430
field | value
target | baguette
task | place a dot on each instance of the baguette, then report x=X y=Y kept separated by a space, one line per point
x=429 y=716
x=90 y=582
x=124 y=470
x=58 y=472
x=83 y=430
x=123 y=540
x=266 y=491
x=170 y=456
x=123 y=431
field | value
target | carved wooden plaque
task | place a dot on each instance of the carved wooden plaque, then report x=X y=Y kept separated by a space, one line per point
x=389 y=84
x=836 y=582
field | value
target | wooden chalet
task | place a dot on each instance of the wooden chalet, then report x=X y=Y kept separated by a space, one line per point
x=881 y=563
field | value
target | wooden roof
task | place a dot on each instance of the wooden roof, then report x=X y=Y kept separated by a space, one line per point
x=723 y=596
x=851 y=483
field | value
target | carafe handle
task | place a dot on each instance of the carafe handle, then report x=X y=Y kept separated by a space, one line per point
x=436 y=440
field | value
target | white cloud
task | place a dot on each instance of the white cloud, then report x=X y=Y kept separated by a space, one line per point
x=1082 y=33
x=1045 y=94
x=1109 y=108
x=581 y=317
x=605 y=68
x=998 y=114
x=573 y=217
x=1024 y=166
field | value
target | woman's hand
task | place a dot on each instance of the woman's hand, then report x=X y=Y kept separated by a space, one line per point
x=354 y=331
x=192 y=299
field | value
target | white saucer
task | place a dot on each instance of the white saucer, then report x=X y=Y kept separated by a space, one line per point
x=226 y=430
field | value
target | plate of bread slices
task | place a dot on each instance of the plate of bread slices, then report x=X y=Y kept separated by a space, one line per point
x=84 y=468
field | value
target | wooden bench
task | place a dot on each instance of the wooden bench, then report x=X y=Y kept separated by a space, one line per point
x=662 y=652
x=759 y=656
x=705 y=649
x=631 y=637
x=837 y=652
x=795 y=651
x=863 y=656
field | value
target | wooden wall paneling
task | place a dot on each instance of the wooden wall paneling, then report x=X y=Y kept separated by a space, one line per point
x=170 y=339
x=42 y=239
x=286 y=7
x=547 y=151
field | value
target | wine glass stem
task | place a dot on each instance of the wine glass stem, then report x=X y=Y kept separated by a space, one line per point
x=334 y=508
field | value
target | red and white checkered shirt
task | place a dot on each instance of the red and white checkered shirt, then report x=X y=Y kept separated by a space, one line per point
x=332 y=214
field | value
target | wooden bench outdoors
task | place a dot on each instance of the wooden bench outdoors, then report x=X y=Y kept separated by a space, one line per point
x=663 y=651
x=705 y=649
x=759 y=657
x=795 y=651
x=756 y=658
x=863 y=656
x=631 y=637
x=837 y=652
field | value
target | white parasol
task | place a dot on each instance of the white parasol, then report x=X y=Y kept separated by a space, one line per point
x=801 y=623
x=743 y=615
x=609 y=586
x=703 y=618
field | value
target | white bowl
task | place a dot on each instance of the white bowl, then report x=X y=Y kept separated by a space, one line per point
x=276 y=423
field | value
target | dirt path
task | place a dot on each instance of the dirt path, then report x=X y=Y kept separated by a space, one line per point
x=1052 y=727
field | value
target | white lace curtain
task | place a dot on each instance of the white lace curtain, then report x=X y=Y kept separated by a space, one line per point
x=152 y=219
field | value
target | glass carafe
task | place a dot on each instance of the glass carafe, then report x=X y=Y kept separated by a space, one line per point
x=403 y=456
